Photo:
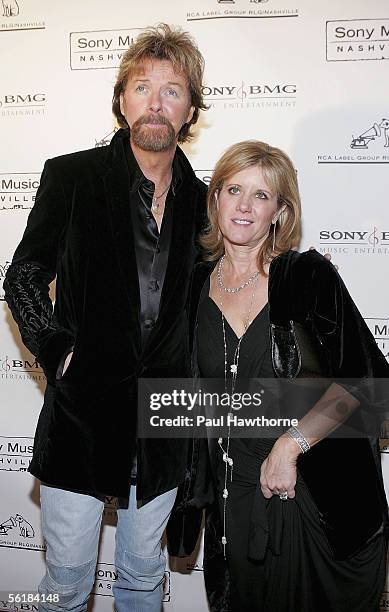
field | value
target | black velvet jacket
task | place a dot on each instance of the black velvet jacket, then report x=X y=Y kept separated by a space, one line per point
x=343 y=475
x=80 y=232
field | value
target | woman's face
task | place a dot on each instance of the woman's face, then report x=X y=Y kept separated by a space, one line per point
x=246 y=208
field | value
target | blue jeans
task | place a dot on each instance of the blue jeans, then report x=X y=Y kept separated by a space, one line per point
x=71 y=528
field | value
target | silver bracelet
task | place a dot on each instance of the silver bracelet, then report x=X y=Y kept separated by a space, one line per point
x=298 y=437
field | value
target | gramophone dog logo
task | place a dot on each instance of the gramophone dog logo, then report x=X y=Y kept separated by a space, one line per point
x=10 y=9
x=17 y=532
x=21 y=526
x=367 y=146
x=372 y=135
x=11 y=18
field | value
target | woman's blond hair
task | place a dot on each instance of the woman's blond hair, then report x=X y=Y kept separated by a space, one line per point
x=281 y=178
x=163 y=42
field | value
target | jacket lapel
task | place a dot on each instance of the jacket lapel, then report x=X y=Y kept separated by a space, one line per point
x=117 y=190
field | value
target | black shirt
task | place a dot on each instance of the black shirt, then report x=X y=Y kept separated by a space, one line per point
x=151 y=246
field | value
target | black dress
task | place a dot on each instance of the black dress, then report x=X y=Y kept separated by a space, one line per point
x=278 y=557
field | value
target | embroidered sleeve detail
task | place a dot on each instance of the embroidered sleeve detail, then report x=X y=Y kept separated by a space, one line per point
x=27 y=295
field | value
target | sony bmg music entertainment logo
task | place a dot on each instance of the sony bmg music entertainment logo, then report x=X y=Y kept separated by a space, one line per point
x=21 y=370
x=15 y=453
x=373 y=241
x=18 y=190
x=100 y=49
x=24 y=104
x=357 y=39
x=255 y=95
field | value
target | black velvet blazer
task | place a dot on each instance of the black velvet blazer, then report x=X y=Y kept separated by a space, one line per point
x=343 y=475
x=79 y=231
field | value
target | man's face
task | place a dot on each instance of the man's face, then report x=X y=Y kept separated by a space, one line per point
x=156 y=104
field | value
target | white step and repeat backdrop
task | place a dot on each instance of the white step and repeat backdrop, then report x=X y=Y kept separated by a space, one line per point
x=311 y=78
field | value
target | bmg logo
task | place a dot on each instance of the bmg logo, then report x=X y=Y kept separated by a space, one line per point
x=30 y=99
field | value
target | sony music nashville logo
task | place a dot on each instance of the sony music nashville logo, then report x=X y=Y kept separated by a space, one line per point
x=18 y=532
x=357 y=39
x=106 y=576
x=369 y=144
x=100 y=49
x=379 y=327
x=254 y=95
x=227 y=9
x=354 y=242
x=21 y=369
x=15 y=453
x=18 y=190
x=22 y=104
x=15 y=16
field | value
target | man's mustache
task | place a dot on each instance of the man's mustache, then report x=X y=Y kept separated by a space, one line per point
x=153 y=120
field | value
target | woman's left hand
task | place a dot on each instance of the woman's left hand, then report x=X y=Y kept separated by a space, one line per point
x=278 y=471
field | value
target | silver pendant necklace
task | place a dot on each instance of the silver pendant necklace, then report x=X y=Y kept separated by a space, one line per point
x=229 y=462
x=155 y=203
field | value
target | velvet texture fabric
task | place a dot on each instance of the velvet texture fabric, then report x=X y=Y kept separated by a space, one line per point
x=343 y=475
x=80 y=232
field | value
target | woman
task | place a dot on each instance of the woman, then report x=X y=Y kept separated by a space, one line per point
x=299 y=519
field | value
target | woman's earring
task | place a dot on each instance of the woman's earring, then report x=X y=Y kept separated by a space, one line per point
x=274 y=234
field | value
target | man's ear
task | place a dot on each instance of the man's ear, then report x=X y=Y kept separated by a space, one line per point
x=190 y=114
x=121 y=101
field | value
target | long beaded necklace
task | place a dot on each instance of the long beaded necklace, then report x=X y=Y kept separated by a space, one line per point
x=229 y=462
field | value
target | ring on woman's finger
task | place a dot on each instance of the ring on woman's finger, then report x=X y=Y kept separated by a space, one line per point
x=283 y=495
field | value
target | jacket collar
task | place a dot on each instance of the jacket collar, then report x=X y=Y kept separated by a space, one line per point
x=120 y=144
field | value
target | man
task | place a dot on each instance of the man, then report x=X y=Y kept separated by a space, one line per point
x=116 y=226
